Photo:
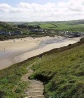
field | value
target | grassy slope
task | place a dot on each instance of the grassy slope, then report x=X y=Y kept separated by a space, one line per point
x=77 y=25
x=58 y=26
x=11 y=27
x=4 y=26
x=62 y=73
x=11 y=85
x=64 y=70
x=63 y=25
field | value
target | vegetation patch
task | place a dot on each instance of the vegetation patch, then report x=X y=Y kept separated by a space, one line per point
x=63 y=71
x=48 y=29
x=11 y=85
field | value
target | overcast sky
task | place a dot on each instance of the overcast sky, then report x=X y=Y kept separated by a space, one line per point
x=41 y=10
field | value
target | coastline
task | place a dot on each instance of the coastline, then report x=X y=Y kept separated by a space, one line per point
x=18 y=50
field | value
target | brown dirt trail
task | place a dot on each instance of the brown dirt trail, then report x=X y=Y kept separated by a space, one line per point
x=35 y=88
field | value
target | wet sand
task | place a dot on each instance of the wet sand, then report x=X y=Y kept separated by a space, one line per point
x=17 y=50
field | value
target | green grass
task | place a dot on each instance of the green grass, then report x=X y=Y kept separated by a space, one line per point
x=61 y=26
x=74 y=26
x=62 y=72
x=11 y=85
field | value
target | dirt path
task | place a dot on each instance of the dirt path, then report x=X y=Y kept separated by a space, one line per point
x=35 y=88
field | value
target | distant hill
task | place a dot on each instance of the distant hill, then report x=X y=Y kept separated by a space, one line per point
x=4 y=26
x=73 y=26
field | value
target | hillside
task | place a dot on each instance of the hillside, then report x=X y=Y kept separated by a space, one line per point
x=75 y=25
x=4 y=26
x=12 y=28
x=45 y=28
x=62 y=71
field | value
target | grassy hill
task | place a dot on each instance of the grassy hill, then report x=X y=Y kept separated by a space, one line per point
x=11 y=27
x=75 y=25
x=62 y=71
x=4 y=26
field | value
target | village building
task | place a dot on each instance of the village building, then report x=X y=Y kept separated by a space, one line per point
x=16 y=33
x=4 y=33
x=72 y=34
x=10 y=33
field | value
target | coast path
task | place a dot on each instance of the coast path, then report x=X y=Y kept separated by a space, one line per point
x=35 y=88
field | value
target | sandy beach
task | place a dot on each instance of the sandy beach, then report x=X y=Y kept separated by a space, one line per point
x=17 y=50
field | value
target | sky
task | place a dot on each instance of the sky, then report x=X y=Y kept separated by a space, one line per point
x=41 y=10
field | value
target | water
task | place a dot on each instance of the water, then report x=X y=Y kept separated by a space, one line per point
x=8 y=57
x=41 y=44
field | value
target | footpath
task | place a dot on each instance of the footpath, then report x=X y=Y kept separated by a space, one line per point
x=35 y=88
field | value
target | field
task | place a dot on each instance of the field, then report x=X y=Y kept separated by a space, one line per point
x=52 y=28
x=61 y=26
x=75 y=25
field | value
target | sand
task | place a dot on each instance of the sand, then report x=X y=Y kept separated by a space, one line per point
x=17 y=50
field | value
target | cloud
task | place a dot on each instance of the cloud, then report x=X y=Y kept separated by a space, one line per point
x=73 y=9
x=4 y=7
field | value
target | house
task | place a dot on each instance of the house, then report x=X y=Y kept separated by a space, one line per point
x=9 y=33
x=16 y=33
x=4 y=33
x=36 y=30
x=75 y=34
x=1 y=32
x=34 y=27
x=72 y=34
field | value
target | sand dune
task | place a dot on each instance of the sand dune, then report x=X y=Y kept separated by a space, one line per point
x=17 y=50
